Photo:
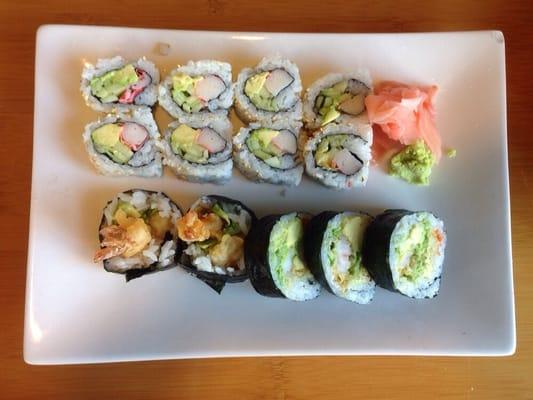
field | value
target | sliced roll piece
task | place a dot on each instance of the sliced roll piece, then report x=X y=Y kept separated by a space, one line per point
x=199 y=151
x=198 y=91
x=338 y=155
x=138 y=235
x=124 y=144
x=269 y=153
x=275 y=260
x=270 y=92
x=215 y=230
x=338 y=98
x=404 y=252
x=333 y=243
x=114 y=84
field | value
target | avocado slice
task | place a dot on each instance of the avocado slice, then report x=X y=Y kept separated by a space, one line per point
x=328 y=100
x=106 y=140
x=273 y=162
x=258 y=94
x=109 y=87
x=182 y=92
x=353 y=229
x=106 y=136
x=331 y=115
x=183 y=142
x=259 y=143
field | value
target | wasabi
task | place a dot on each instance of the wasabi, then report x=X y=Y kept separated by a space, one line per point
x=413 y=164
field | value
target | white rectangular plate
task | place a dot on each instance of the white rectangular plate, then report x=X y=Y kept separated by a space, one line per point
x=77 y=313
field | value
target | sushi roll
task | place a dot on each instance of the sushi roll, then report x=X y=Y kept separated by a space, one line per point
x=270 y=92
x=338 y=155
x=198 y=90
x=199 y=151
x=274 y=256
x=124 y=144
x=404 y=252
x=338 y=98
x=269 y=153
x=138 y=234
x=215 y=230
x=333 y=243
x=114 y=84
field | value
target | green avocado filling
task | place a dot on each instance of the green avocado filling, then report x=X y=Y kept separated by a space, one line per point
x=260 y=144
x=285 y=252
x=349 y=232
x=333 y=101
x=183 y=92
x=106 y=140
x=413 y=164
x=183 y=143
x=258 y=94
x=328 y=148
x=415 y=251
x=112 y=84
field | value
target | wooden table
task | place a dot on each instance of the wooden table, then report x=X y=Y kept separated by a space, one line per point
x=261 y=378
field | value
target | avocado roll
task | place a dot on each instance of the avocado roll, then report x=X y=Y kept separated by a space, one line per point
x=338 y=155
x=198 y=90
x=274 y=255
x=338 y=98
x=333 y=246
x=269 y=153
x=137 y=234
x=114 y=84
x=199 y=151
x=215 y=230
x=404 y=252
x=270 y=92
x=124 y=144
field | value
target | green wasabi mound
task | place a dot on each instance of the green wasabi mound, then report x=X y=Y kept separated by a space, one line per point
x=413 y=164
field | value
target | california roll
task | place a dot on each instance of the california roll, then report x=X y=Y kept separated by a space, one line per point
x=124 y=144
x=114 y=84
x=270 y=92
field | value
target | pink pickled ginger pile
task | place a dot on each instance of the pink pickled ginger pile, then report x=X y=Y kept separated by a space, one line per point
x=403 y=114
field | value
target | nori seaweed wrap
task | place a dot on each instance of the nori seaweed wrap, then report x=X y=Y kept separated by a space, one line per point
x=404 y=251
x=215 y=230
x=274 y=258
